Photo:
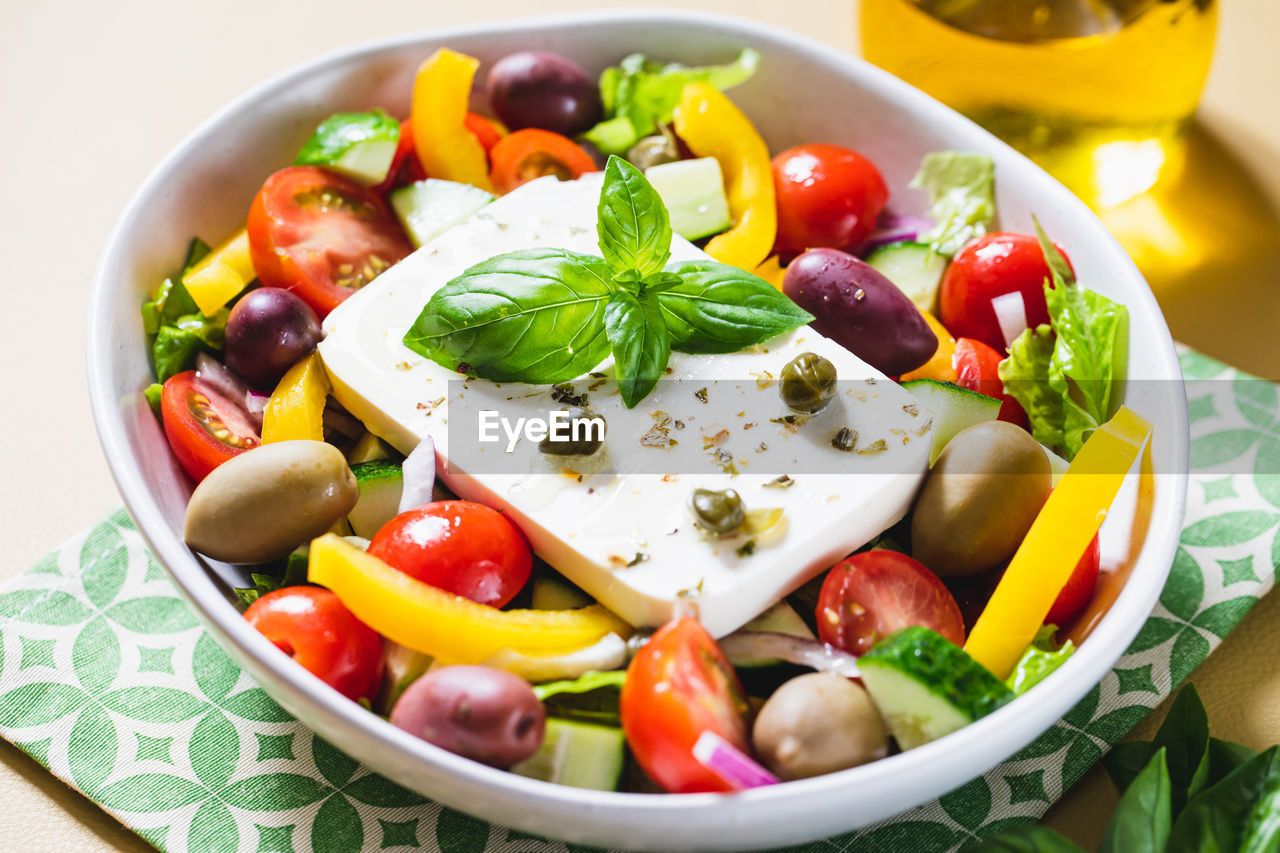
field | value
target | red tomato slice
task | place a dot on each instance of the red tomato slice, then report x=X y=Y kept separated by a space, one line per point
x=321 y=235
x=532 y=153
x=678 y=686
x=459 y=546
x=977 y=368
x=874 y=593
x=988 y=267
x=204 y=428
x=314 y=628
x=405 y=168
x=483 y=130
x=828 y=197
x=1079 y=587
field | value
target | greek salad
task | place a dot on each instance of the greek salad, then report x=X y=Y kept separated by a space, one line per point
x=818 y=482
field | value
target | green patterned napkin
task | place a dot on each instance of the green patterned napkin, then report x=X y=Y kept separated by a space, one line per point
x=107 y=679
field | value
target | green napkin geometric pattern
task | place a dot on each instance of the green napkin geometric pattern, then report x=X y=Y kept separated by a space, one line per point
x=107 y=679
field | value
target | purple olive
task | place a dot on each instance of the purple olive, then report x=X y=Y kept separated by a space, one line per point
x=861 y=310
x=483 y=713
x=269 y=331
x=535 y=88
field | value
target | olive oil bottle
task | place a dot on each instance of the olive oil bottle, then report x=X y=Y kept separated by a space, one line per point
x=1096 y=91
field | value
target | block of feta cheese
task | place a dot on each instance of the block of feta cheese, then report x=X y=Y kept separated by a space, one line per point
x=618 y=523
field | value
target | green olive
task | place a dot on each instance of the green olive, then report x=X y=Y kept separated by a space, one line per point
x=261 y=504
x=582 y=436
x=653 y=151
x=808 y=383
x=818 y=723
x=717 y=512
x=979 y=499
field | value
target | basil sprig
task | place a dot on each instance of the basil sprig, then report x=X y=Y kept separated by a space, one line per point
x=550 y=315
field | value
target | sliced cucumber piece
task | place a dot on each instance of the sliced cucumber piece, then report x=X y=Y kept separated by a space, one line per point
x=429 y=208
x=369 y=448
x=556 y=593
x=952 y=408
x=380 y=483
x=915 y=268
x=781 y=618
x=401 y=666
x=927 y=687
x=358 y=145
x=580 y=755
x=693 y=191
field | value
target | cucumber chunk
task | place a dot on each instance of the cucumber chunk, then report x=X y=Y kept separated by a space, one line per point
x=429 y=208
x=580 y=755
x=693 y=191
x=914 y=267
x=927 y=687
x=380 y=483
x=781 y=618
x=952 y=408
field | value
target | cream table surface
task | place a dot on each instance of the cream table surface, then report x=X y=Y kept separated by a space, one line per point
x=94 y=94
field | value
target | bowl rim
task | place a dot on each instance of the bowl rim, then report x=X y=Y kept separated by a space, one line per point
x=969 y=747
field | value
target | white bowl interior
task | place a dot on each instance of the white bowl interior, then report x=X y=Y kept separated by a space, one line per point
x=803 y=92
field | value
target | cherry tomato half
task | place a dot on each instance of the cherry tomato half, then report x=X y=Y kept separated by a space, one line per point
x=977 y=368
x=459 y=546
x=874 y=593
x=1079 y=587
x=313 y=627
x=987 y=267
x=321 y=235
x=678 y=686
x=532 y=153
x=483 y=130
x=828 y=197
x=204 y=428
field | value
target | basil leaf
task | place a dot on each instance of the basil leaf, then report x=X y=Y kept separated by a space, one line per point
x=532 y=316
x=1240 y=813
x=641 y=347
x=717 y=308
x=1224 y=757
x=1126 y=760
x=1027 y=838
x=1184 y=736
x=632 y=221
x=1143 y=817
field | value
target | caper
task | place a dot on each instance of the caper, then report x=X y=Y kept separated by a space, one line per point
x=808 y=383
x=653 y=151
x=717 y=512
x=583 y=435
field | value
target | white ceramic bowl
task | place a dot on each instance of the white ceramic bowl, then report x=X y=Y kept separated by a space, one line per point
x=804 y=91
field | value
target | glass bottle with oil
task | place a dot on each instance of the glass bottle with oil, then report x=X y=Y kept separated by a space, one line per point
x=1096 y=91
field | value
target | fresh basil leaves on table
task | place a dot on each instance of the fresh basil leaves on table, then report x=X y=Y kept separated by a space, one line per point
x=1183 y=792
x=550 y=315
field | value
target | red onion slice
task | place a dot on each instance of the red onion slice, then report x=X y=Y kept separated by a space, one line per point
x=419 y=472
x=754 y=647
x=1011 y=314
x=893 y=229
x=738 y=770
x=219 y=377
x=255 y=404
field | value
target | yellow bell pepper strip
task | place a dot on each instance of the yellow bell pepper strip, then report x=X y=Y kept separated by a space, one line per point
x=441 y=94
x=712 y=126
x=221 y=274
x=941 y=366
x=1049 y=553
x=296 y=408
x=447 y=626
x=771 y=271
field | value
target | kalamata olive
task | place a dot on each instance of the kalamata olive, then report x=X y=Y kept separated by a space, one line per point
x=261 y=504
x=583 y=435
x=808 y=383
x=979 y=499
x=535 y=88
x=483 y=713
x=717 y=512
x=818 y=723
x=653 y=151
x=861 y=310
x=269 y=331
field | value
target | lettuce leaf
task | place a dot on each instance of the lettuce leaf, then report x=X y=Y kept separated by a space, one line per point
x=591 y=697
x=1065 y=377
x=962 y=198
x=1039 y=661
x=639 y=94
